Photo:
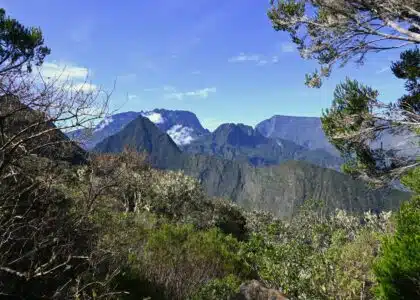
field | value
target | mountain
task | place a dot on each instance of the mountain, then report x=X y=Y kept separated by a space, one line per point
x=304 y=131
x=280 y=189
x=143 y=135
x=307 y=131
x=244 y=143
x=238 y=135
x=108 y=126
x=182 y=126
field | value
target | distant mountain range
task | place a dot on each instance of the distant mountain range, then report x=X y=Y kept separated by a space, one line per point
x=268 y=144
x=272 y=141
x=244 y=143
x=182 y=126
x=279 y=188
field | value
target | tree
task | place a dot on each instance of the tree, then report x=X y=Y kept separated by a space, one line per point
x=408 y=68
x=337 y=31
x=20 y=46
x=357 y=119
x=35 y=113
x=48 y=246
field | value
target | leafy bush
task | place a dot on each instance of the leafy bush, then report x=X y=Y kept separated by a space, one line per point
x=219 y=289
x=183 y=259
x=317 y=256
x=229 y=218
x=398 y=267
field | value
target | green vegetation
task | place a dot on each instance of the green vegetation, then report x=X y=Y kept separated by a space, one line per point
x=398 y=267
x=357 y=118
x=156 y=234
x=20 y=46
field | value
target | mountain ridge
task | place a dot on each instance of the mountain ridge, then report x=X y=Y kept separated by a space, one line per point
x=244 y=143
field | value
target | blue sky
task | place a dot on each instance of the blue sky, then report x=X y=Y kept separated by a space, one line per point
x=219 y=59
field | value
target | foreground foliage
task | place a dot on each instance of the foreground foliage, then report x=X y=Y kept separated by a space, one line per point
x=398 y=268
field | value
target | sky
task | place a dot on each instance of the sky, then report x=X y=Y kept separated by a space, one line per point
x=220 y=59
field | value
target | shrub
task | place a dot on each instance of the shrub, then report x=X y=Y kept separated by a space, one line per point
x=230 y=219
x=398 y=268
x=219 y=289
x=317 y=256
x=182 y=259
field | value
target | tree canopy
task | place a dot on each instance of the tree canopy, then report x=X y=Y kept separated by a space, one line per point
x=358 y=118
x=337 y=31
x=20 y=46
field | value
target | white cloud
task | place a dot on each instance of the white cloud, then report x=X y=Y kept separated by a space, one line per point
x=383 y=70
x=262 y=62
x=201 y=93
x=259 y=59
x=105 y=122
x=245 y=57
x=71 y=77
x=63 y=71
x=82 y=87
x=287 y=47
x=132 y=96
x=154 y=117
x=150 y=89
x=181 y=135
x=169 y=88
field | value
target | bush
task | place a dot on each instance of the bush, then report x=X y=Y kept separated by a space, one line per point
x=182 y=259
x=317 y=256
x=398 y=268
x=219 y=289
x=230 y=219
